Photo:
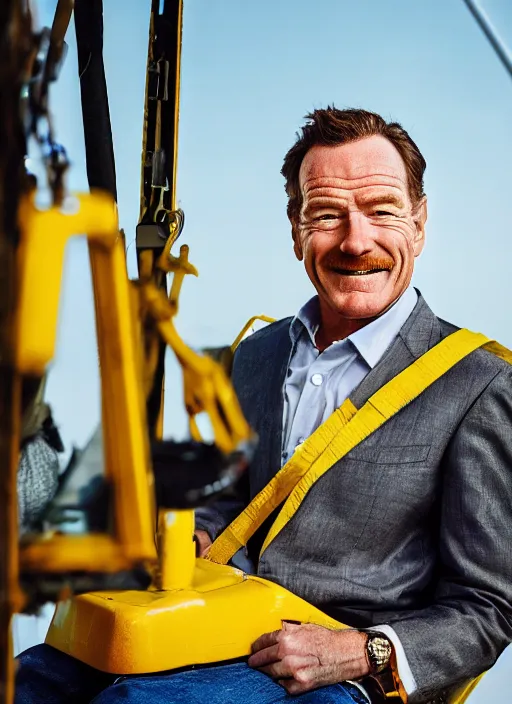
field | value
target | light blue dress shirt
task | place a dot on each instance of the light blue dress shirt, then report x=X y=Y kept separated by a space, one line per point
x=319 y=382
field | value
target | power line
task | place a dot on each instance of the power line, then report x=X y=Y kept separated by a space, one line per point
x=497 y=43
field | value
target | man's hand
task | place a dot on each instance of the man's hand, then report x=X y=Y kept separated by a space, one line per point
x=203 y=541
x=304 y=657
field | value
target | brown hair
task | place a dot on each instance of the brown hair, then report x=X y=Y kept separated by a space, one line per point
x=330 y=127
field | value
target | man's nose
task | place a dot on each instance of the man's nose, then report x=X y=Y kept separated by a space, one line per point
x=357 y=238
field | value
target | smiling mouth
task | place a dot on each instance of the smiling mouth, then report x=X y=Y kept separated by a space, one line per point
x=356 y=272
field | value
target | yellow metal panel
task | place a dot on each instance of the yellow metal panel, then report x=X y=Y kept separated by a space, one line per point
x=43 y=237
x=127 y=457
x=47 y=553
x=217 y=618
x=176 y=549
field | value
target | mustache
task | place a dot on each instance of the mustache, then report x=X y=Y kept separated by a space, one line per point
x=364 y=263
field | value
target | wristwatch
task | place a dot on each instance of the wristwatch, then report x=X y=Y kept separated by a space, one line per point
x=378 y=651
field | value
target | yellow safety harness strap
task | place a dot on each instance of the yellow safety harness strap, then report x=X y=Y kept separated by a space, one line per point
x=337 y=436
x=275 y=492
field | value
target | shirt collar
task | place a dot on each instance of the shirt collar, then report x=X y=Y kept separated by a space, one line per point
x=371 y=341
x=308 y=317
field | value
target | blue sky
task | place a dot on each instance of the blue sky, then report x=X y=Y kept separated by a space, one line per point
x=250 y=71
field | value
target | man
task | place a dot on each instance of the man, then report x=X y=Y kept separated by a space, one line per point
x=405 y=539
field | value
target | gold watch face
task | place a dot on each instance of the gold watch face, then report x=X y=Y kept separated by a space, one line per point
x=379 y=651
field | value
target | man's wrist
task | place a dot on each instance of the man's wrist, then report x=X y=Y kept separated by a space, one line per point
x=352 y=653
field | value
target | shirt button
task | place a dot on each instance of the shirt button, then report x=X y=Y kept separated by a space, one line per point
x=317 y=379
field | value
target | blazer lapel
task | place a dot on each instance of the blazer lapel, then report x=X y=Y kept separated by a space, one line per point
x=274 y=419
x=420 y=332
x=259 y=385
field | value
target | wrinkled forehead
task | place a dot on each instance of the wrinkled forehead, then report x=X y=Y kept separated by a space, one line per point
x=369 y=161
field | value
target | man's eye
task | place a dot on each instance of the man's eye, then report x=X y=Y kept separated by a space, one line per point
x=382 y=212
x=329 y=217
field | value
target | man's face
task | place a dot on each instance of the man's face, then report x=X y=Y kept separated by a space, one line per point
x=358 y=232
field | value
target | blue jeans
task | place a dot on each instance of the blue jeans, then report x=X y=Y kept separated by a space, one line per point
x=47 y=675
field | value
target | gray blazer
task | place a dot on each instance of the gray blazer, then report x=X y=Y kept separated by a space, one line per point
x=413 y=528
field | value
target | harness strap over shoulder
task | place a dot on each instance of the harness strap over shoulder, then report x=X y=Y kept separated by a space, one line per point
x=337 y=436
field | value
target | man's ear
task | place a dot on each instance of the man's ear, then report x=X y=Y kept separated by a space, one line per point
x=297 y=245
x=420 y=220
